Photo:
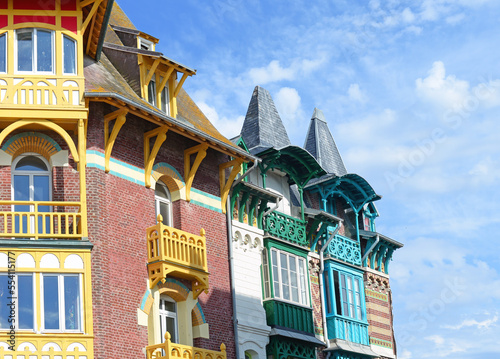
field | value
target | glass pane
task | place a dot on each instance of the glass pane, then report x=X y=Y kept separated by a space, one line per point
x=72 y=302
x=170 y=324
x=164 y=100
x=31 y=163
x=336 y=285
x=170 y=306
x=41 y=193
x=165 y=213
x=4 y=309
x=44 y=50
x=69 y=55
x=25 y=51
x=303 y=283
x=161 y=191
x=3 y=53
x=293 y=279
x=25 y=295
x=283 y=261
x=152 y=93
x=21 y=193
x=274 y=259
x=284 y=276
x=51 y=302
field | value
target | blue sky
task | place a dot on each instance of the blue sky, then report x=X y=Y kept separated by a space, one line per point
x=411 y=92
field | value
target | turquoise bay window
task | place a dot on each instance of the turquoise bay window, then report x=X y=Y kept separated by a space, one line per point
x=345 y=304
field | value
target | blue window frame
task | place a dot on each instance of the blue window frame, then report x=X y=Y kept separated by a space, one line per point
x=344 y=293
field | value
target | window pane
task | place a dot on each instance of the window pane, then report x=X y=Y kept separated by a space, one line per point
x=170 y=325
x=3 y=53
x=152 y=93
x=165 y=100
x=44 y=50
x=25 y=295
x=303 y=283
x=69 y=55
x=72 y=302
x=51 y=302
x=275 y=273
x=4 y=309
x=21 y=193
x=165 y=213
x=284 y=276
x=336 y=284
x=25 y=50
x=31 y=163
x=170 y=306
x=161 y=191
x=293 y=279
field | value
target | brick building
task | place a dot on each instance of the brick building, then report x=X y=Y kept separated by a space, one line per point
x=130 y=227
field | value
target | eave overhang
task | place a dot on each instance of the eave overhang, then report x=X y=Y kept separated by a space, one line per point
x=391 y=242
x=148 y=113
x=354 y=188
x=99 y=12
x=295 y=161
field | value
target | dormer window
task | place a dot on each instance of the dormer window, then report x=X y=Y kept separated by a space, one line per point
x=146 y=44
x=35 y=50
x=3 y=52
x=164 y=104
x=152 y=92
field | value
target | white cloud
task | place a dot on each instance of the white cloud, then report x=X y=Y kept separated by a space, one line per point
x=271 y=73
x=405 y=354
x=407 y=15
x=436 y=339
x=228 y=127
x=473 y=323
x=287 y=101
x=355 y=93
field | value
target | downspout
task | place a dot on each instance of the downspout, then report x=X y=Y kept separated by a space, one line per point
x=370 y=249
x=321 y=285
x=229 y=220
x=248 y=171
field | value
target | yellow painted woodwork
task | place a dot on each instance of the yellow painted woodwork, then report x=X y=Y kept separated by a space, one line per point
x=225 y=186
x=149 y=157
x=179 y=85
x=31 y=143
x=178 y=253
x=43 y=123
x=82 y=149
x=90 y=16
x=190 y=171
x=72 y=345
x=109 y=139
x=169 y=350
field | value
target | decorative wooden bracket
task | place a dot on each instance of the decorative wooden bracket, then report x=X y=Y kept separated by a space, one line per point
x=225 y=186
x=179 y=85
x=149 y=157
x=92 y=11
x=109 y=139
x=190 y=171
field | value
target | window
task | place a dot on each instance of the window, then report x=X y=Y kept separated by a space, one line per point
x=152 y=92
x=31 y=182
x=162 y=201
x=69 y=55
x=165 y=100
x=348 y=294
x=168 y=318
x=3 y=52
x=146 y=44
x=289 y=279
x=61 y=302
x=24 y=312
x=35 y=50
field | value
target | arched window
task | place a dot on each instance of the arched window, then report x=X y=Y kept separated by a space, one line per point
x=162 y=201
x=31 y=182
x=168 y=318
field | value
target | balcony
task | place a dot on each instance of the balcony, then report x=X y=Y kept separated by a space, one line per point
x=347 y=329
x=41 y=220
x=42 y=93
x=175 y=252
x=345 y=249
x=286 y=227
x=288 y=315
x=169 y=350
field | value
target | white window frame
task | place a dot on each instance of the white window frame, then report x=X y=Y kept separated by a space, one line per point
x=167 y=98
x=163 y=314
x=146 y=43
x=16 y=295
x=31 y=174
x=64 y=55
x=159 y=200
x=34 y=55
x=301 y=288
x=5 y=34
x=152 y=99
x=61 y=304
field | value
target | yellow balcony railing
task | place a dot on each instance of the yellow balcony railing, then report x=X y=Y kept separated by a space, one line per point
x=172 y=251
x=40 y=220
x=169 y=350
x=39 y=91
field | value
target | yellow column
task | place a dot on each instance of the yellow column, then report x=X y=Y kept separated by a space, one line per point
x=82 y=151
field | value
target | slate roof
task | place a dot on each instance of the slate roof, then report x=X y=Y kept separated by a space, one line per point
x=263 y=128
x=320 y=143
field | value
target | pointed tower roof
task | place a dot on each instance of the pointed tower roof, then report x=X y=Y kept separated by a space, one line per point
x=319 y=142
x=263 y=128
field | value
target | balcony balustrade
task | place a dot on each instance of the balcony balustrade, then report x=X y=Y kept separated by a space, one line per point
x=169 y=350
x=172 y=251
x=288 y=315
x=41 y=220
x=41 y=91
x=345 y=249
x=286 y=227
x=347 y=329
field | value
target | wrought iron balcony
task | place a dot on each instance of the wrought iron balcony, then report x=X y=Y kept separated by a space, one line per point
x=286 y=227
x=345 y=249
x=347 y=329
x=172 y=251
x=41 y=220
x=169 y=350
x=288 y=315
